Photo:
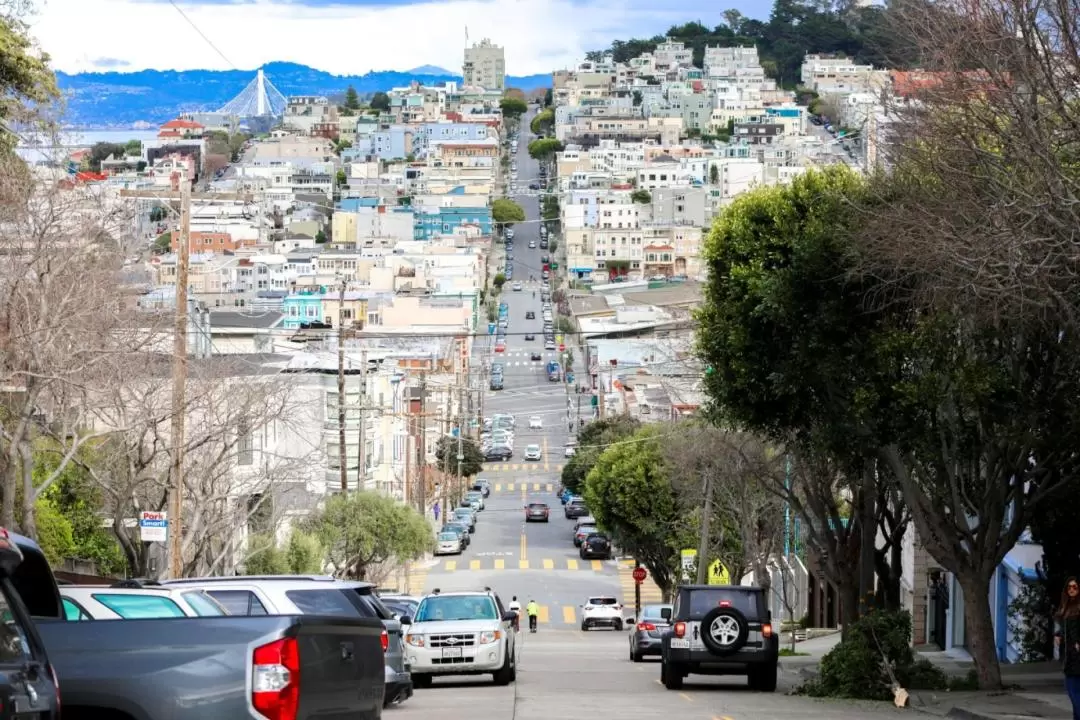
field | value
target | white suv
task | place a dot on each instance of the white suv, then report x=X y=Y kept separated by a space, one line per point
x=461 y=633
x=602 y=610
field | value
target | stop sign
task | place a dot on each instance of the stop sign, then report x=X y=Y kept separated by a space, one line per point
x=562 y=348
x=639 y=574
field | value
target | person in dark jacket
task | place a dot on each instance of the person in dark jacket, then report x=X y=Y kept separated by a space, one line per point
x=1067 y=638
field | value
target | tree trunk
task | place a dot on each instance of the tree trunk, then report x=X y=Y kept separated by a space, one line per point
x=10 y=480
x=26 y=466
x=980 y=629
x=868 y=531
x=848 y=593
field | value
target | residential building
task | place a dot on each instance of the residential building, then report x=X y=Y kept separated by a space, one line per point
x=484 y=66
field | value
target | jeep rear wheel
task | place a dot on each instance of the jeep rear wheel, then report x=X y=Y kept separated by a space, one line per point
x=672 y=675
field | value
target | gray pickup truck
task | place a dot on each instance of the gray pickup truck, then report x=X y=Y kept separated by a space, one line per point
x=209 y=668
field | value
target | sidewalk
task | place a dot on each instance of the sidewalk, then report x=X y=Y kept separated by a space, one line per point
x=1036 y=690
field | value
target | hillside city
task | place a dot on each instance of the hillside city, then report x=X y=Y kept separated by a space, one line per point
x=790 y=361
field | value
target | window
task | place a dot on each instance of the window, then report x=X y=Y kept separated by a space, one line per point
x=703 y=601
x=14 y=644
x=202 y=604
x=323 y=602
x=239 y=602
x=134 y=607
x=456 y=607
x=74 y=613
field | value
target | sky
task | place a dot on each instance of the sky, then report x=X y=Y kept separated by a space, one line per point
x=348 y=37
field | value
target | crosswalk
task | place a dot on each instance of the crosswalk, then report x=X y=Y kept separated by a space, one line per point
x=522 y=487
x=445 y=565
x=524 y=467
x=650 y=591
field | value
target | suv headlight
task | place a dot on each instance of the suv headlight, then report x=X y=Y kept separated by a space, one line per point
x=415 y=640
x=489 y=636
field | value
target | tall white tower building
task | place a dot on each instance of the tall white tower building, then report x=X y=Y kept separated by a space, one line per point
x=485 y=66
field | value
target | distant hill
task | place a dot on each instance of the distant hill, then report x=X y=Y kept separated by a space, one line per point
x=430 y=70
x=125 y=99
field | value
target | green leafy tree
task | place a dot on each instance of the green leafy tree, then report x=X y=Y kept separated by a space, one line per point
x=133 y=148
x=642 y=197
x=446 y=452
x=543 y=122
x=513 y=108
x=380 y=101
x=505 y=212
x=714 y=174
x=544 y=149
x=101 y=151
x=630 y=495
x=352 y=100
x=498 y=281
x=548 y=97
x=26 y=81
x=341 y=178
x=264 y=556
x=365 y=530
x=303 y=554
x=593 y=439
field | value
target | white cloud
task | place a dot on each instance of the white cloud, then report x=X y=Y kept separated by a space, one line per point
x=539 y=35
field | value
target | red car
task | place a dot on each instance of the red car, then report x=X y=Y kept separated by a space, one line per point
x=500 y=347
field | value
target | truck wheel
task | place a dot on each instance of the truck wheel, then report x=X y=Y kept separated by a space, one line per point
x=763 y=678
x=673 y=676
x=420 y=680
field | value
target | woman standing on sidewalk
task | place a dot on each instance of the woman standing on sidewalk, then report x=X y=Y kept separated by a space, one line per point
x=1067 y=638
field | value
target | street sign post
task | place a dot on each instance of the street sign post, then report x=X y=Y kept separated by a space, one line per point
x=639 y=577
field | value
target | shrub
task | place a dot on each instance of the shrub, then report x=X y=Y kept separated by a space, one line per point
x=859 y=667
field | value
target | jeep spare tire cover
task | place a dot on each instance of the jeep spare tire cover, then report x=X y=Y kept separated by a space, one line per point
x=724 y=630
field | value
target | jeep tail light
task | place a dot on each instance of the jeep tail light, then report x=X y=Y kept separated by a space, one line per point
x=645 y=626
x=275 y=679
x=680 y=629
x=766 y=630
x=384 y=638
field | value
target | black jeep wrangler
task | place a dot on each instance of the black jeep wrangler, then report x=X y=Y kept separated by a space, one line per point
x=719 y=630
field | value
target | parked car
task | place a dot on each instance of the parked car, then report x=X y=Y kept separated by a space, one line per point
x=23 y=646
x=461 y=529
x=646 y=637
x=129 y=600
x=583 y=532
x=575 y=508
x=449 y=543
x=319 y=596
x=596 y=546
x=720 y=630
x=143 y=670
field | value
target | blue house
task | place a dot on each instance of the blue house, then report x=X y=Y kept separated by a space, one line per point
x=432 y=221
x=301 y=308
x=428 y=133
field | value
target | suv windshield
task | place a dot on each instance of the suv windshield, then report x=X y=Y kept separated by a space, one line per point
x=702 y=601
x=603 y=601
x=448 y=536
x=456 y=607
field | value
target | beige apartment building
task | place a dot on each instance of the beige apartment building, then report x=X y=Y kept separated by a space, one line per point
x=484 y=66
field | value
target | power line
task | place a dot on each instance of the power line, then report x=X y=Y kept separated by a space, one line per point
x=202 y=34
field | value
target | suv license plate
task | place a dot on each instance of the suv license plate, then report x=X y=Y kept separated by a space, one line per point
x=451 y=652
x=680 y=643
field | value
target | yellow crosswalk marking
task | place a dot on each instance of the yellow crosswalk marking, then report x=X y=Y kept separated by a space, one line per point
x=650 y=592
x=549 y=564
x=542 y=616
x=549 y=487
x=500 y=564
x=597 y=565
x=571 y=564
x=451 y=565
x=474 y=564
x=523 y=564
x=509 y=486
x=536 y=486
x=498 y=486
x=568 y=615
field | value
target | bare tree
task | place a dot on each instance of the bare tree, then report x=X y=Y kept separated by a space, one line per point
x=788 y=592
x=63 y=330
x=982 y=203
x=234 y=470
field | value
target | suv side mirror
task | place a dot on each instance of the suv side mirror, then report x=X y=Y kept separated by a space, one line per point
x=405 y=620
x=509 y=616
x=665 y=613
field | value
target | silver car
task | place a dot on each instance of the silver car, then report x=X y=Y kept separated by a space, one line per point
x=448 y=543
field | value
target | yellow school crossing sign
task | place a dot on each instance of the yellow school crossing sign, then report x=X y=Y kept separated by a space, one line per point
x=718 y=574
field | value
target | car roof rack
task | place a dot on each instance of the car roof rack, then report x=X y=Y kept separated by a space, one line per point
x=242 y=578
x=134 y=584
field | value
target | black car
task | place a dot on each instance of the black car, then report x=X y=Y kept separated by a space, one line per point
x=496 y=383
x=534 y=356
x=530 y=315
x=529 y=337
x=646 y=638
x=482 y=487
x=596 y=547
x=720 y=630
x=544 y=244
x=498 y=453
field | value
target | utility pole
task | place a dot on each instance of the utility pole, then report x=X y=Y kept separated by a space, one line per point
x=421 y=448
x=179 y=389
x=444 y=440
x=343 y=455
x=361 y=473
x=461 y=442
x=706 y=517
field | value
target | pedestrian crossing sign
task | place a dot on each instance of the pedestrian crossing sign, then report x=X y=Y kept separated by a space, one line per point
x=718 y=574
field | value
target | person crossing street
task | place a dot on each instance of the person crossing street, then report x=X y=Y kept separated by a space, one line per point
x=533 y=611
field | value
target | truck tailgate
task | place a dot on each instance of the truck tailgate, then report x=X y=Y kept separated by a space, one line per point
x=341 y=666
x=201 y=668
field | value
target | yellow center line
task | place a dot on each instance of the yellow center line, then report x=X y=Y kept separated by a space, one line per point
x=524 y=547
x=686 y=697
